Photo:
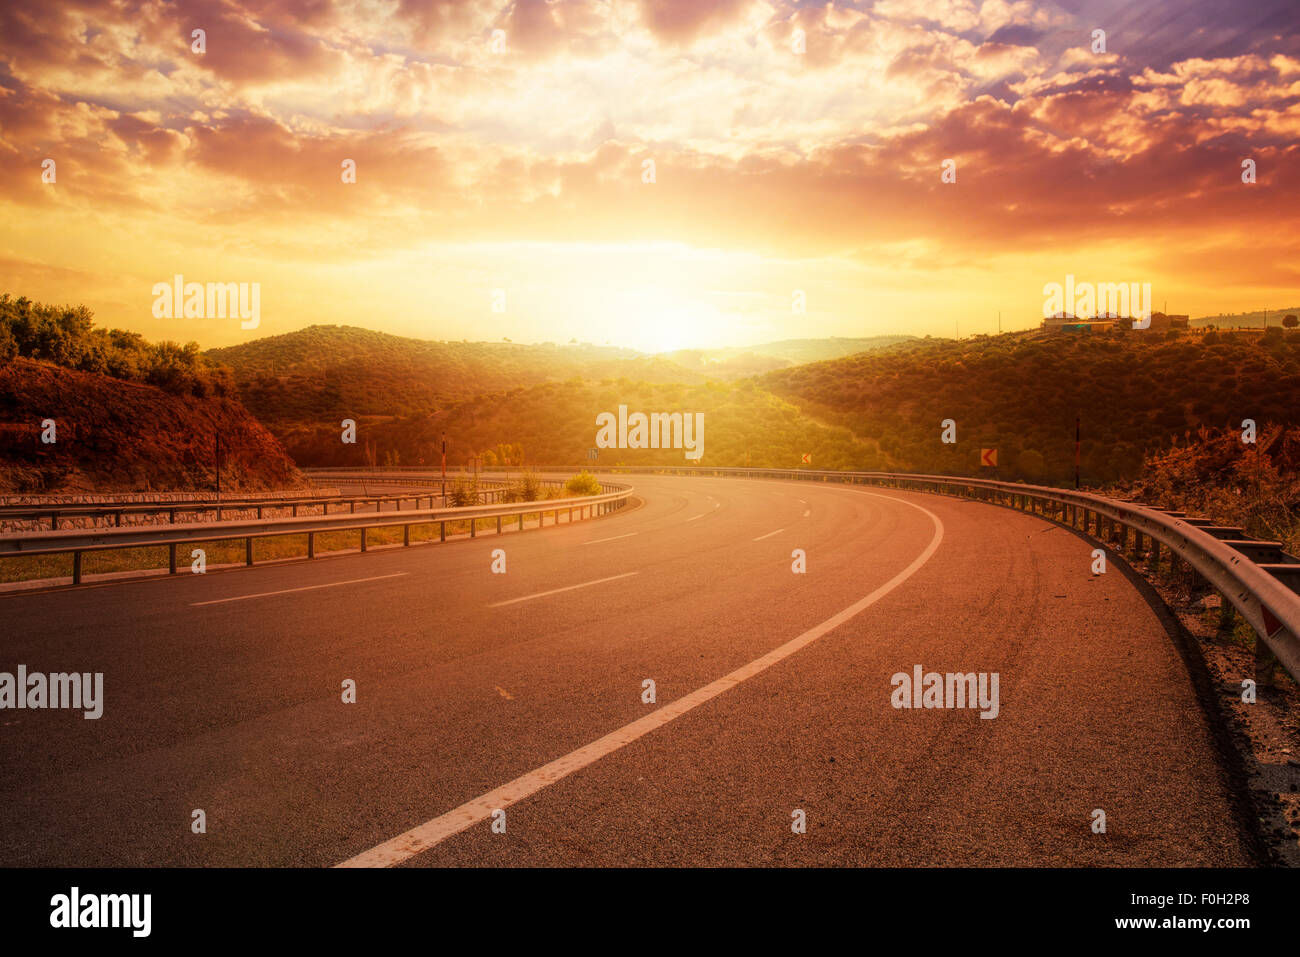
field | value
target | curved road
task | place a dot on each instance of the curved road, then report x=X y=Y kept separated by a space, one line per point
x=478 y=690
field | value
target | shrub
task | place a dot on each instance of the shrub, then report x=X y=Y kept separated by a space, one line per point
x=584 y=483
x=1030 y=464
x=530 y=487
x=462 y=493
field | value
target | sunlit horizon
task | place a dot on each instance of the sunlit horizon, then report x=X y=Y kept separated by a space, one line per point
x=648 y=175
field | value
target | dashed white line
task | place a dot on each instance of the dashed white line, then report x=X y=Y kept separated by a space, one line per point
x=433 y=832
x=614 y=539
x=556 y=591
x=285 y=591
x=694 y=517
x=769 y=534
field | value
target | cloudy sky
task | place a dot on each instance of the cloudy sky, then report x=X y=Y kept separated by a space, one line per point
x=795 y=147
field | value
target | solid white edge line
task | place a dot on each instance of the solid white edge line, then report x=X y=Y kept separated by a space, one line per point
x=431 y=833
x=769 y=534
x=556 y=591
x=285 y=591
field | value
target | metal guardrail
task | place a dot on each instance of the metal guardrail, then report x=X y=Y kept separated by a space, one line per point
x=78 y=541
x=489 y=491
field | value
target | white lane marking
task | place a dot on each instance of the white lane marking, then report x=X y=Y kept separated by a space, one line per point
x=694 y=517
x=614 y=539
x=556 y=591
x=769 y=534
x=433 y=832
x=285 y=591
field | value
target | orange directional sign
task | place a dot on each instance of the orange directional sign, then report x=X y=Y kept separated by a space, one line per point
x=807 y=459
x=989 y=457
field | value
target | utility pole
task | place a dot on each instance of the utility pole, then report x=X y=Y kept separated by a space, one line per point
x=999 y=322
x=218 y=437
x=1076 y=453
x=444 y=470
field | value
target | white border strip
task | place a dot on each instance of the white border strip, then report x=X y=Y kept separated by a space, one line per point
x=556 y=591
x=286 y=591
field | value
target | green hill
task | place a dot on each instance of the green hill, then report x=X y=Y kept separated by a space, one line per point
x=555 y=423
x=326 y=373
x=1246 y=320
x=731 y=363
x=1020 y=393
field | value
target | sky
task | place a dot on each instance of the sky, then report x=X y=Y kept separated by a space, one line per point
x=658 y=174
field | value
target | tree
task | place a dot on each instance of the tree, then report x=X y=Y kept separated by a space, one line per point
x=1290 y=321
x=1030 y=464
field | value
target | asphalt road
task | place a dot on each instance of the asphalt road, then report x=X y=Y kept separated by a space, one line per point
x=234 y=707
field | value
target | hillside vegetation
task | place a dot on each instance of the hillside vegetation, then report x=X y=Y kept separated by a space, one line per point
x=1020 y=394
x=737 y=362
x=128 y=415
x=66 y=336
x=555 y=424
x=325 y=373
x=1213 y=473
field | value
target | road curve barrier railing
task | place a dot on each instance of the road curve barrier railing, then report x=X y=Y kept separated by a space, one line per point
x=78 y=541
x=55 y=514
x=1257 y=579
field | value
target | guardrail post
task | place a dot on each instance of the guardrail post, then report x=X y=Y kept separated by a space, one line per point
x=1227 y=614
x=498 y=524
x=353 y=503
x=171 y=559
x=173 y=516
x=1265 y=663
x=363 y=539
x=311 y=545
x=442 y=531
x=406 y=534
x=521 y=521
x=76 y=568
x=248 y=550
x=473 y=528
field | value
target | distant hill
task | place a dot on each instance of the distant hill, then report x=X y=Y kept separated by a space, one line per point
x=129 y=415
x=753 y=360
x=1247 y=320
x=326 y=373
x=1020 y=393
x=555 y=423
